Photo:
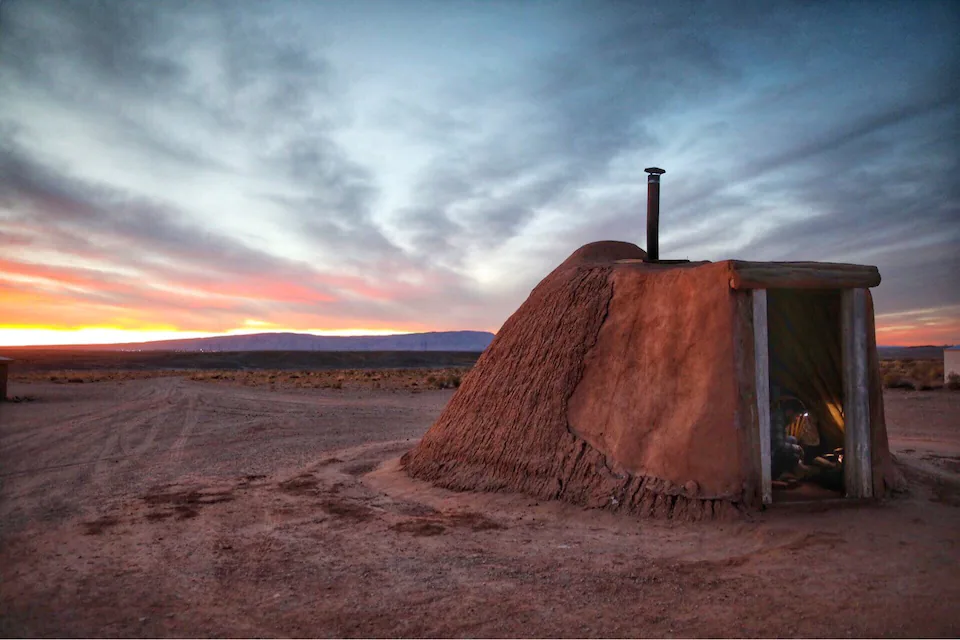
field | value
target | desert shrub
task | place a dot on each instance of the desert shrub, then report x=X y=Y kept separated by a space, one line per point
x=911 y=373
x=926 y=369
x=929 y=374
x=893 y=380
x=446 y=380
x=953 y=382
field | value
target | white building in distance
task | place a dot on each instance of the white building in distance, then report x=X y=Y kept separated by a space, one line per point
x=951 y=362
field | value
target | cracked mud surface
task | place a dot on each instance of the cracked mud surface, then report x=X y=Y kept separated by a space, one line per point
x=165 y=507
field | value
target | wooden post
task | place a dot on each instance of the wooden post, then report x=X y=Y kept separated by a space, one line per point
x=761 y=352
x=857 y=467
x=747 y=416
x=4 y=368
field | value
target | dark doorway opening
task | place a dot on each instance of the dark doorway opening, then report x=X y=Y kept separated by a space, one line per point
x=806 y=378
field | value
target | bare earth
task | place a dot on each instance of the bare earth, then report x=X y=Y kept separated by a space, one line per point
x=171 y=507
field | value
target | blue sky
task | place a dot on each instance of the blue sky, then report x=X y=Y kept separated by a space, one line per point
x=204 y=167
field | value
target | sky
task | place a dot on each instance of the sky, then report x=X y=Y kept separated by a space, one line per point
x=177 y=169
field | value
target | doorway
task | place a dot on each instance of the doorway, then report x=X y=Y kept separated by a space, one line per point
x=806 y=393
x=811 y=365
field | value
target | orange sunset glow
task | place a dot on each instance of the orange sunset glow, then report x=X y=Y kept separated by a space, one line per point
x=920 y=327
x=903 y=329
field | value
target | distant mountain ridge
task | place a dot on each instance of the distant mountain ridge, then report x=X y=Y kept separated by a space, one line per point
x=926 y=352
x=432 y=341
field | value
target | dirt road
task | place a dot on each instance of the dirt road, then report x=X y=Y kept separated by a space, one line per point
x=165 y=507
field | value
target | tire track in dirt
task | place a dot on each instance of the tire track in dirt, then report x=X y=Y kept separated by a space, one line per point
x=156 y=418
x=89 y=456
x=134 y=406
x=135 y=434
x=72 y=424
x=126 y=419
x=154 y=422
x=190 y=419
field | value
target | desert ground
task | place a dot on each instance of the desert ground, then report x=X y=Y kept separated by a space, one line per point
x=171 y=503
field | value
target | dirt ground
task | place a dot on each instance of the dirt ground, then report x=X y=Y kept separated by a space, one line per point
x=176 y=507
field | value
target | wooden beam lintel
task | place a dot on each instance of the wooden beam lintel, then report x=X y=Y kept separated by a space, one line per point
x=802 y=275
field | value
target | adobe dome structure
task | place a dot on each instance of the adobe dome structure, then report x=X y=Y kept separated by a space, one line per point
x=649 y=387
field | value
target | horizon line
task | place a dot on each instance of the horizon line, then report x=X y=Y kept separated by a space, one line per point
x=60 y=337
x=325 y=334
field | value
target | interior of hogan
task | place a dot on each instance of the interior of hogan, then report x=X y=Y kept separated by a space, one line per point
x=806 y=393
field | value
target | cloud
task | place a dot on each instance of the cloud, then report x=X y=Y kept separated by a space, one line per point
x=553 y=127
x=421 y=166
x=152 y=259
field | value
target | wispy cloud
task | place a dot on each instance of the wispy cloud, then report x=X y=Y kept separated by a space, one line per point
x=323 y=166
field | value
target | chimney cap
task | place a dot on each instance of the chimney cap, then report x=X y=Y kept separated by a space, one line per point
x=657 y=170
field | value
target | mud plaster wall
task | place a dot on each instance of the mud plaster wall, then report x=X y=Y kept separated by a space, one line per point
x=659 y=391
x=507 y=429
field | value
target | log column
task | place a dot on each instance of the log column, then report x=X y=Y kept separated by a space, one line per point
x=857 y=468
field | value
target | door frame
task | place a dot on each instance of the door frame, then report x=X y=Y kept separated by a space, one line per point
x=857 y=471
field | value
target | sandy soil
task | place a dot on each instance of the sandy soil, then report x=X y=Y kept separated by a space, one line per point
x=171 y=507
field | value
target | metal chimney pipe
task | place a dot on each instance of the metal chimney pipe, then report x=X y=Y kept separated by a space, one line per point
x=653 y=212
